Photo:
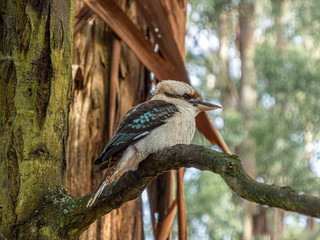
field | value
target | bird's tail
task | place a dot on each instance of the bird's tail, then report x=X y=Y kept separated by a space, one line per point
x=102 y=185
x=97 y=193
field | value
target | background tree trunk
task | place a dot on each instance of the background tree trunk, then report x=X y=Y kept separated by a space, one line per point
x=108 y=81
x=279 y=8
x=35 y=94
x=229 y=95
x=247 y=104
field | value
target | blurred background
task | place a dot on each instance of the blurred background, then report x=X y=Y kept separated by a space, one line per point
x=260 y=60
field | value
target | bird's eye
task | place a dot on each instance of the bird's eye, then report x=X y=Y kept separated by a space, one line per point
x=186 y=96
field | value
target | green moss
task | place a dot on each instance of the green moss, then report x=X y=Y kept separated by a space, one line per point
x=33 y=111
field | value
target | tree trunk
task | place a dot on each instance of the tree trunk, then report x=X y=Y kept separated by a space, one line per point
x=248 y=101
x=279 y=8
x=229 y=95
x=113 y=82
x=35 y=90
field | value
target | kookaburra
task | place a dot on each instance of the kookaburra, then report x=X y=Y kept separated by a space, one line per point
x=167 y=119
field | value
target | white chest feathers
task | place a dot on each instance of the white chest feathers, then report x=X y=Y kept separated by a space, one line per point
x=179 y=129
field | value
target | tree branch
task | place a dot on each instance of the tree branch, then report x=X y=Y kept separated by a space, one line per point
x=229 y=167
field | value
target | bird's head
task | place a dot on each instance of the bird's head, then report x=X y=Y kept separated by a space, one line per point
x=182 y=94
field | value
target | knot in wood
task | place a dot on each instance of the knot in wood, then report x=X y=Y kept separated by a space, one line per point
x=230 y=167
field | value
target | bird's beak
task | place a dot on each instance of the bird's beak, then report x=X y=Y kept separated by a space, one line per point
x=204 y=106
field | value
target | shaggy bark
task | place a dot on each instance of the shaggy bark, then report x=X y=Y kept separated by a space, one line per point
x=111 y=82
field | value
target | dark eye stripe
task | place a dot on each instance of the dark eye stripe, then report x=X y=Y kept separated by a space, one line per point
x=170 y=95
x=186 y=96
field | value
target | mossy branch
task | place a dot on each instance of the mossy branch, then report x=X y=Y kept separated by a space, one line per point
x=229 y=167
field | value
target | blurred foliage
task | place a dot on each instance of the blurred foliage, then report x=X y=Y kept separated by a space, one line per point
x=208 y=220
x=286 y=123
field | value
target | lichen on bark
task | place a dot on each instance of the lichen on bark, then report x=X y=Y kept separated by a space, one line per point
x=35 y=85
